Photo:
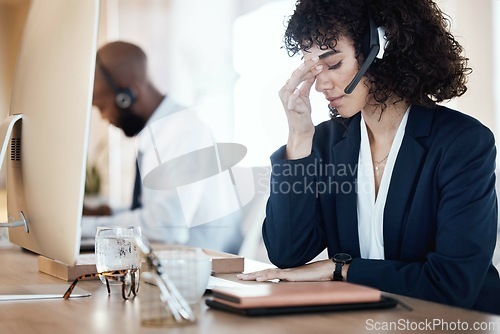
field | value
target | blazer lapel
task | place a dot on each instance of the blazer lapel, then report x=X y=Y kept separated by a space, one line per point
x=404 y=179
x=345 y=157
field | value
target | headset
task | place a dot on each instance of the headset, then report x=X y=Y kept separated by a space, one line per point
x=374 y=44
x=124 y=97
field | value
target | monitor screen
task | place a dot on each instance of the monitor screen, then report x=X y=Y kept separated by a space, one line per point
x=52 y=94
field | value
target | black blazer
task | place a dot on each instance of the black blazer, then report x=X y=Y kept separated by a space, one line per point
x=440 y=217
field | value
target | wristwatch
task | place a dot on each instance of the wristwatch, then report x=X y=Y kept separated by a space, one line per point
x=340 y=259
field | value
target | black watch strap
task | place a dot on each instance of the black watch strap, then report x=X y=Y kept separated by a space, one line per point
x=337 y=273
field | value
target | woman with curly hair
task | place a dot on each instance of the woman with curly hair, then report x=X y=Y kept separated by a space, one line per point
x=398 y=189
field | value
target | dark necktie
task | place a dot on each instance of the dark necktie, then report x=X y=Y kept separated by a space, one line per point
x=136 y=198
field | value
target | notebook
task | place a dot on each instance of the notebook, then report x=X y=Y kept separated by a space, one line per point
x=297 y=297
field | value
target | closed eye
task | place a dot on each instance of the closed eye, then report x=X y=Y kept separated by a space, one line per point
x=336 y=66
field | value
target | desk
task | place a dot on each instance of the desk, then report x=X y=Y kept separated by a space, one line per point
x=102 y=314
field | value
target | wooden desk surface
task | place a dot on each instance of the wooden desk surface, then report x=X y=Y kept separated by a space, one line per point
x=102 y=314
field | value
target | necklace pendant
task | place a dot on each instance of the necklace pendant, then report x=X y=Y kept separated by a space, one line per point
x=376 y=168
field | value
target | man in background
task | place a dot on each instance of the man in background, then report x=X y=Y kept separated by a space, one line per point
x=129 y=100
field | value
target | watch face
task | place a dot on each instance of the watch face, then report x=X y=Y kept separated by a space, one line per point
x=342 y=257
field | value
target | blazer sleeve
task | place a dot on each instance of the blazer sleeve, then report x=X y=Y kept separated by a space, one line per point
x=293 y=230
x=455 y=268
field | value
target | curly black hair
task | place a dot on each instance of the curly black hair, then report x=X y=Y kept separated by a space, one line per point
x=423 y=62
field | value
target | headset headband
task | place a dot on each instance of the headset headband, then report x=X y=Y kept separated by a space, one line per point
x=107 y=75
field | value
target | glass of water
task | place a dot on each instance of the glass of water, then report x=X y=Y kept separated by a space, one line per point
x=115 y=248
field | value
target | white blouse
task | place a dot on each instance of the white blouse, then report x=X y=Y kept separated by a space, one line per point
x=371 y=210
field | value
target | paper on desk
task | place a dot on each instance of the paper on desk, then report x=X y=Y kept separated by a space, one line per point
x=218 y=282
x=86 y=259
x=42 y=291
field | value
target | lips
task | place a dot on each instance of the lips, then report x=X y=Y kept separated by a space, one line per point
x=335 y=101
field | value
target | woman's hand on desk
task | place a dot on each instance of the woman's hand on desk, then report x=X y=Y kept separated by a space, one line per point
x=315 y=271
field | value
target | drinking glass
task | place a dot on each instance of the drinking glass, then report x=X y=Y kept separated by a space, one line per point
x=173 y=287
x=115 y=249
x=189 y=269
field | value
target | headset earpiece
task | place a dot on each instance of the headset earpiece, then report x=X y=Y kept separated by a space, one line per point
x=124 y=97
x=374 y=44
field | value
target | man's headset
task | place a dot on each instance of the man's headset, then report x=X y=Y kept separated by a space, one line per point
x=124 y=97
x=374 y=45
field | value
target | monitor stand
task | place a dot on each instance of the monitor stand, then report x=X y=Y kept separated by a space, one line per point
x=5 y=133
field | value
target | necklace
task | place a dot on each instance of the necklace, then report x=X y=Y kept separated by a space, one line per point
x=377 y=167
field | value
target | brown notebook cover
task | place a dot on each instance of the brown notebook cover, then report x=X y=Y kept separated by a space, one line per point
x=296 y=294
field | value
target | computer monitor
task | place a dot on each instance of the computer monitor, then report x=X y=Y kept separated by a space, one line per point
x=48 y=126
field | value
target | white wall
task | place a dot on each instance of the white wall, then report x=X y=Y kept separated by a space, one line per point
x=472 y=23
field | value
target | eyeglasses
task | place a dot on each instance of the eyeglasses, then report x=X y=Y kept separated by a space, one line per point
x=128 y=277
